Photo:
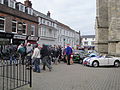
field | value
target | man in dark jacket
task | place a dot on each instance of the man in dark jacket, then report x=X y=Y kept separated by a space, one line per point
x=68 y=53
x=45 y=57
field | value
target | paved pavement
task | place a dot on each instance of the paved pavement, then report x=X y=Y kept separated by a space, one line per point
x=76 y=77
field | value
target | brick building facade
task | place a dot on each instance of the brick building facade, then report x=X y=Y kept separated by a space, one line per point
x=25 y=24
x=18 y=22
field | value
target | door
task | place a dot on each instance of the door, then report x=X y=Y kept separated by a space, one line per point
x=103 y=61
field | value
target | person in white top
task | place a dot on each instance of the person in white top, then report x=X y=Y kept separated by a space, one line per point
x=36 y=59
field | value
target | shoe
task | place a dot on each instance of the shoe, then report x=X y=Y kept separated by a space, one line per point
x=38 y=71
x=34 y=70
x=44 y=69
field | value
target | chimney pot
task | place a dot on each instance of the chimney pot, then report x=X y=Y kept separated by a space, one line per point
x=28 y=3
x=48 y=14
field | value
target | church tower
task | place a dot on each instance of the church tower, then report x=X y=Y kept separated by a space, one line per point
x=102 y=26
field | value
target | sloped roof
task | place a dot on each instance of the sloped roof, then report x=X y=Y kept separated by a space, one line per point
x=88 y=36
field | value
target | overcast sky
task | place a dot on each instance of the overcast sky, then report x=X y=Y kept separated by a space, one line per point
x=78 y=14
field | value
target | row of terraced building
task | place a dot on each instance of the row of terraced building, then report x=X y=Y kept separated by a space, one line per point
x=21 y=23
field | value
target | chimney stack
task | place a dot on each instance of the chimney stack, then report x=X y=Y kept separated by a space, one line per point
x=48 y=14
x=28 y=3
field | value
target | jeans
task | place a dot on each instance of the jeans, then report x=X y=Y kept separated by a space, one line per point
x=13 y=59
x=36 y=65
x=68 y=59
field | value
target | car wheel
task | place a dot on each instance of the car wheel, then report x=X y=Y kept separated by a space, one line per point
x=95 y=64
x=80 y=61
x=117 y=64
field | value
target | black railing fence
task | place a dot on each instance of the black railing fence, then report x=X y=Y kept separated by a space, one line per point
x=13 y=73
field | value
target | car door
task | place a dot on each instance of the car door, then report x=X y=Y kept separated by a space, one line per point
x=103 y=61
x=111 y=61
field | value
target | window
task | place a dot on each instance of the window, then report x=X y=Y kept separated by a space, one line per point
x=92 y=38
x=2 y=23
x=6 y=2
x=1 y=1
x=85 y=38
x=24 y=28
x=44 y=31
x=43 y=21
x=30 y=11
x=21 y=7
x=48 y=23
x=32 y=30
x=40 y=20
x=85 y=43
x=14 y=26
x=12 y=3
x=92 y=43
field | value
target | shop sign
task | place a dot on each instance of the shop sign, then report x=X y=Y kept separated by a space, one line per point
x=5 y=35
x=20 y=37
x=33 y=38
x=4 y=41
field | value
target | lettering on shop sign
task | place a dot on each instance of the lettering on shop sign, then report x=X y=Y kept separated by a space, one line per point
x=4 y=35
x=32 y=38
x=19 y=37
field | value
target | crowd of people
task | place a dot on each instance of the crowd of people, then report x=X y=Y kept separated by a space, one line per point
x=38 y=56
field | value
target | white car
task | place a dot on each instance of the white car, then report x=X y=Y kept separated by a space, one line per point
x=103 y=61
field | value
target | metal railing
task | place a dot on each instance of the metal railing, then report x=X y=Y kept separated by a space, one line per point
x=14 y=74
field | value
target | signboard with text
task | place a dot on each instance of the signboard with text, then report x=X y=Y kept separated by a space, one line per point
x=33 y=38
x=20 y=37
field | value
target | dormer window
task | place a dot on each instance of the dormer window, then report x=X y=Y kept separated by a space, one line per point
x=21 y=7
x=6 y=2
x=30 y=11
x=11 y=3
x=1 y=1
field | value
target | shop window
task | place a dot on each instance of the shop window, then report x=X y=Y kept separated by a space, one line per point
x=14 y=26
x=1 y=1
x=32 y=30
x=2 y=23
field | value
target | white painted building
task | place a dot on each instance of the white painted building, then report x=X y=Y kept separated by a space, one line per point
x=66 y=35
x=47 y=29
x=88 y=40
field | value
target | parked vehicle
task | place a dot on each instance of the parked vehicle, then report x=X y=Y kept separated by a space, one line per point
x=103 y=61
x=78 y=56
x=89 y=56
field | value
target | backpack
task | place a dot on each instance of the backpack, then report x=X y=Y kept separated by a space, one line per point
x=22 y=50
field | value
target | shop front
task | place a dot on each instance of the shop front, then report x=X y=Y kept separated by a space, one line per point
x=18 y=39
x=5 y=38
x=32 y=39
